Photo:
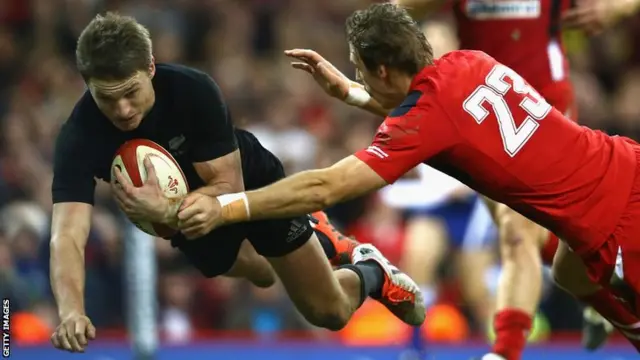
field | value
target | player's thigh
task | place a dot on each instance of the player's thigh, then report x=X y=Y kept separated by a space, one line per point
x=425 y=244
x=251 y=266
x=297 y=257
x=215 y=253
x=582 y=275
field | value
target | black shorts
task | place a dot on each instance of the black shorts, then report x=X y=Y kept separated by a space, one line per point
x=215 y=253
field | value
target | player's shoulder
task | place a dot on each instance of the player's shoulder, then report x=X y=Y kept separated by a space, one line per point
x=458 y=58
x=182 y=75
x=454 y=72
x=85 y=117
x=185 y=85
x=462 y=64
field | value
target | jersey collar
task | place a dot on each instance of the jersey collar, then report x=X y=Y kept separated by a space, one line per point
x=422 y=76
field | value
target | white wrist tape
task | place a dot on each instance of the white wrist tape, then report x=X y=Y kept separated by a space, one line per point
x=357 y=95
x=227 y=199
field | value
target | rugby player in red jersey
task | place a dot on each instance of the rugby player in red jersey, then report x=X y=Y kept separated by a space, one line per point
x=526 y=37
x=480 y=122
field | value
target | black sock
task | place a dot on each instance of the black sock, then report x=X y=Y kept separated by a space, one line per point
x=327 y=245
x=371 y=278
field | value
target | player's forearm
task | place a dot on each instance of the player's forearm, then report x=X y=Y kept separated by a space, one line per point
x=216 y=189
x=67 y=275
x=296 y=195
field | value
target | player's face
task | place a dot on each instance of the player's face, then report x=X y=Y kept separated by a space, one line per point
x=386 y=87
x=125 y=102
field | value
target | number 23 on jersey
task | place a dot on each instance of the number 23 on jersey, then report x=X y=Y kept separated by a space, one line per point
x=490 y=97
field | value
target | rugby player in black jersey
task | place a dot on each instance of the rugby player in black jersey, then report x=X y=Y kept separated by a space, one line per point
x=130 y=96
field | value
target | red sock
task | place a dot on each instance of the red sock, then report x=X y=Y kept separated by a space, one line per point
x=618 y=312
x=549 y=249
x=512 y=328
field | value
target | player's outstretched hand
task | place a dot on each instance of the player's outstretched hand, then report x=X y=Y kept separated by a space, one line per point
x=591 y=16
x=198 y=215
x=332 y=81
x=73 y=333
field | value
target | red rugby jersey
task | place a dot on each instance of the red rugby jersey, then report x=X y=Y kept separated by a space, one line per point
x=481 y=123
x=522 y=34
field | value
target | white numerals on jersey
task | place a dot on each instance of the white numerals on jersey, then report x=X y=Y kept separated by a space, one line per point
x=513 y=137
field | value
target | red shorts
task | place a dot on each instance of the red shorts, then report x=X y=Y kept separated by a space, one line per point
x=625 y=240
x=561 y=96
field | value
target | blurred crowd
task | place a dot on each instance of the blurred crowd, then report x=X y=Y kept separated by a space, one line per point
x=240 y=43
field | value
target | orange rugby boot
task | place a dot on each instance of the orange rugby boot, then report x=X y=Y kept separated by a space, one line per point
x=400 y=294
x=343 y=245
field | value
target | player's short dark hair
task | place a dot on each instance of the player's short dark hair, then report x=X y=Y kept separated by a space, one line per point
x=385 y=34
x=113 y=47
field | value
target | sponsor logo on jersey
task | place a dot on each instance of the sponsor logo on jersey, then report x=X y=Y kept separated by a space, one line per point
x=376 y=151
x=175 y=145
x=503 y=9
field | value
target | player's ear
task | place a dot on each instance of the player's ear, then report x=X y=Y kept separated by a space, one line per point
x=152 y=67
x=382 y=72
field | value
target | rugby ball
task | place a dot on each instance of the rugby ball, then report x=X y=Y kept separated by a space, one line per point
x=129 y=159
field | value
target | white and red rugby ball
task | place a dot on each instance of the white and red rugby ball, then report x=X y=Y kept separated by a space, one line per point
x=129 y=158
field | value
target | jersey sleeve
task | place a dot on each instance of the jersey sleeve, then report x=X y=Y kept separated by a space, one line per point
x=73 y=175
x=213 y=132
x=412 y=134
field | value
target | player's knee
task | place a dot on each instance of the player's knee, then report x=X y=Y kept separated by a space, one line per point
x=515 y=229
x=260 y=273
x=265 y=280
x=329 y=316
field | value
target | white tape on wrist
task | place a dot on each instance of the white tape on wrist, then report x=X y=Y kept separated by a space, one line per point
x=227 y=199
x=357 y=95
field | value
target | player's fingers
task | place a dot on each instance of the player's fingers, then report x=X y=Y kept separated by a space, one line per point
x=91 y=331
x=121 y=199
x=302 y=66
x=194 y=220
x=152 y=178
x=305 y=60
x=63 y=339
x=572 y=14
x=188 y=213
x=55 y=341
x=71 y=336
x=306 y=55
x=80 y=330
x=120 y=179
x=123 y=182
x=589 y=24
x=575 y=17
x=188 y=201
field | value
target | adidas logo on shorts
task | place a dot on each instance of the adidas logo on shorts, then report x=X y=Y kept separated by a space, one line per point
x=296 y=229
